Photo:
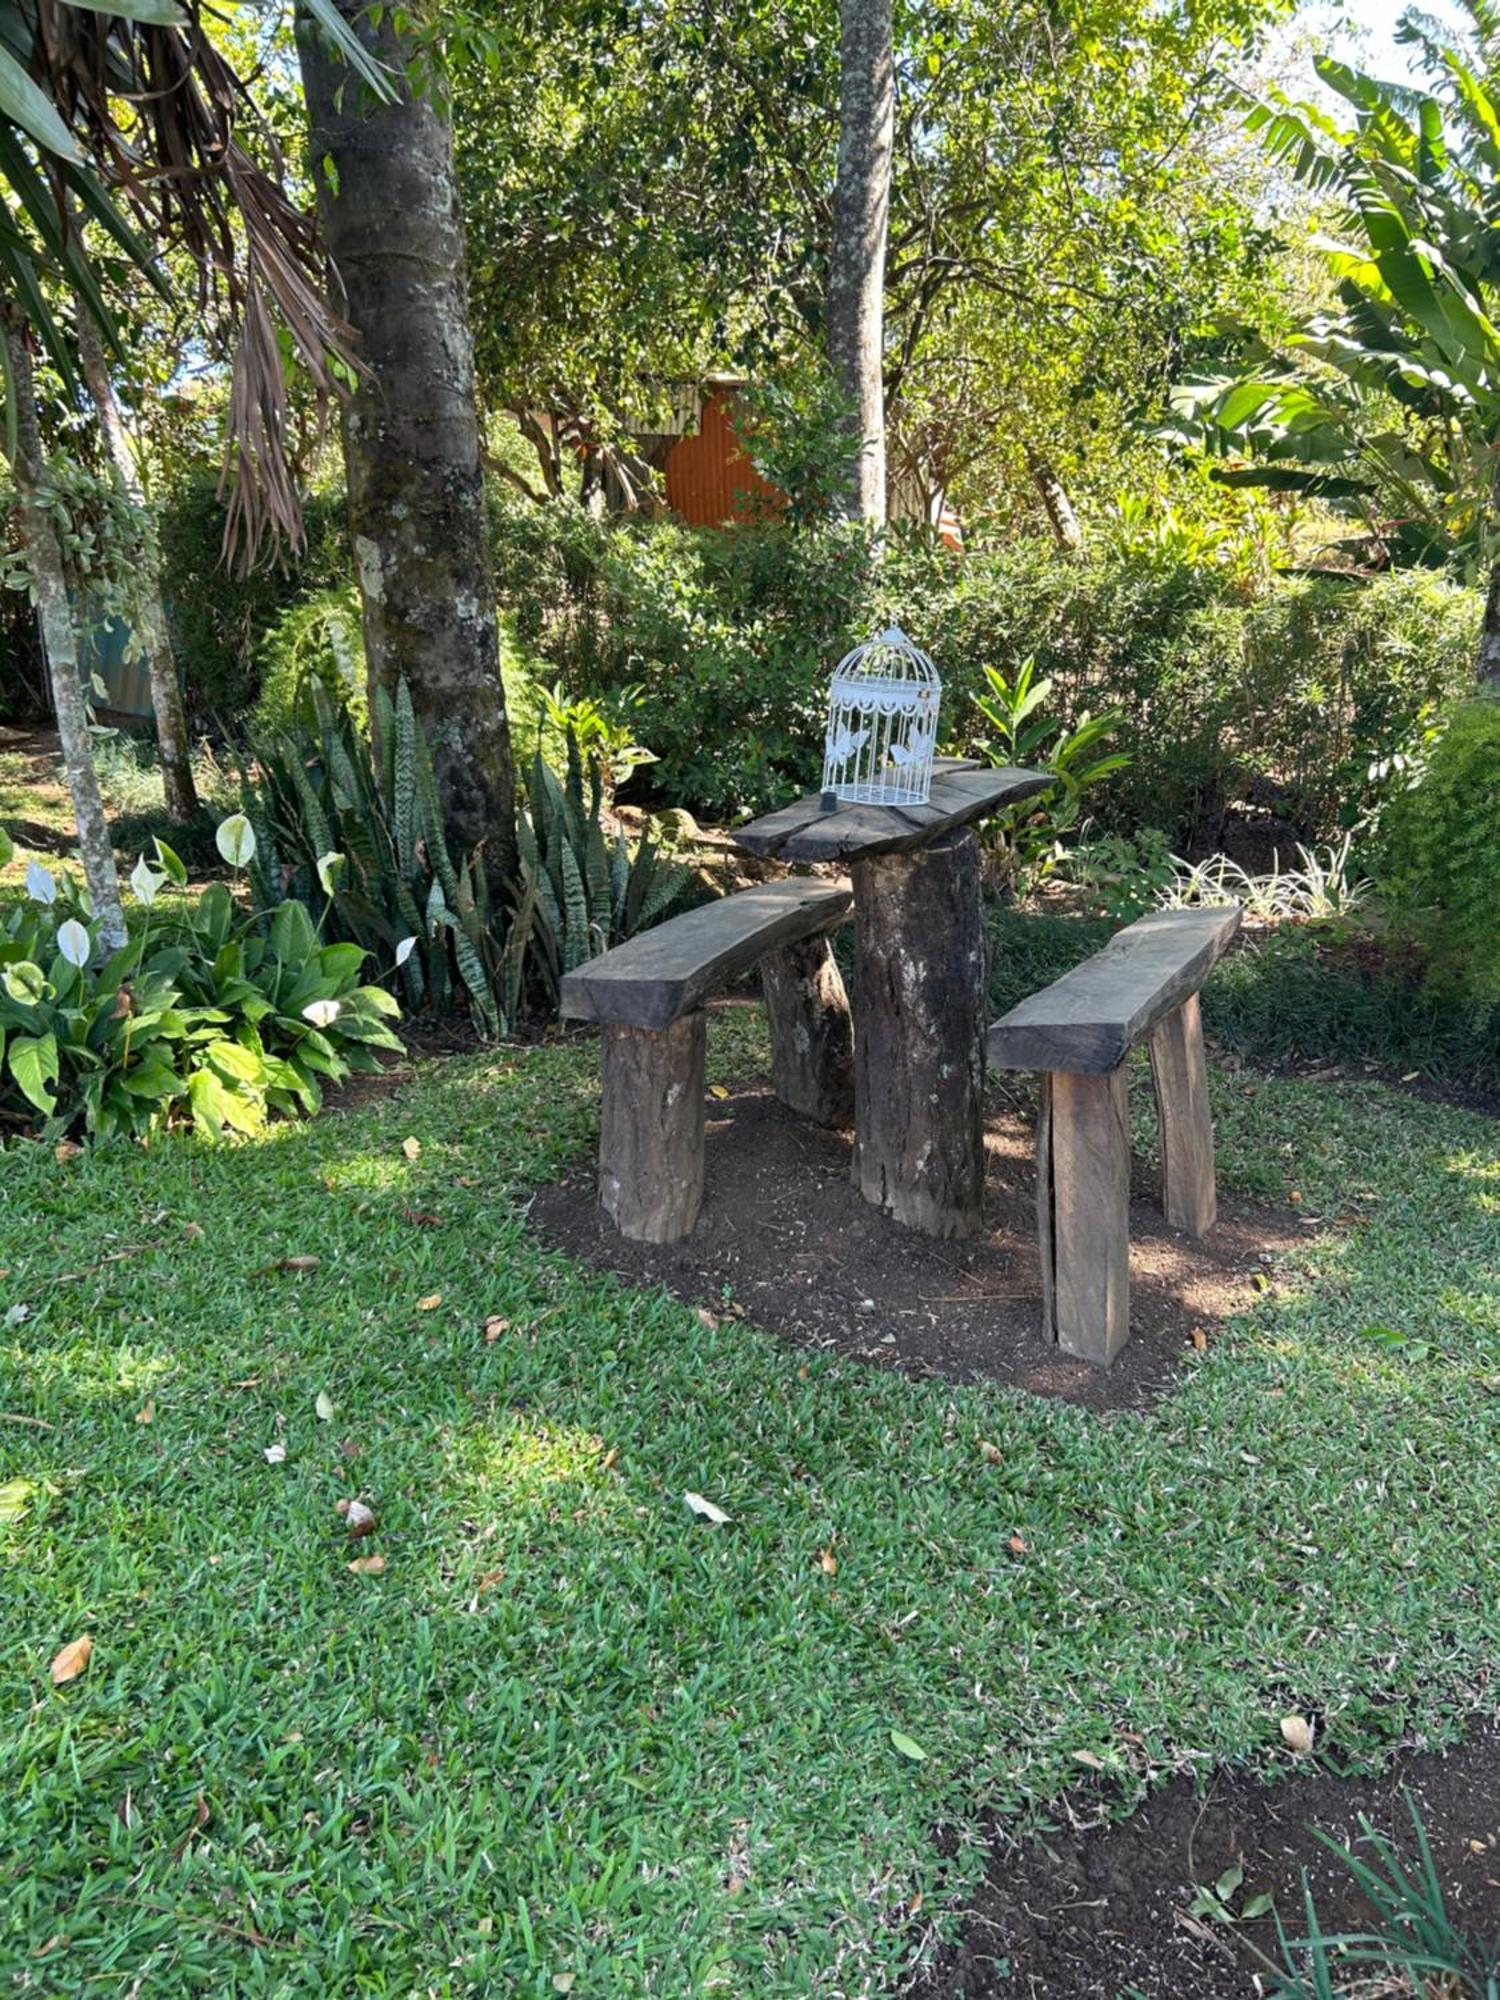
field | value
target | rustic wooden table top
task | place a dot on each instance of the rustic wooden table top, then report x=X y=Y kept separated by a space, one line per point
x=961 y=792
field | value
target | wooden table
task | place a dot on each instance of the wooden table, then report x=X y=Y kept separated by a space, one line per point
x=920 y=983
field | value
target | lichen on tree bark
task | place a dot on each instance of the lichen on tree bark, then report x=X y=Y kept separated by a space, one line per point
x=389 y=205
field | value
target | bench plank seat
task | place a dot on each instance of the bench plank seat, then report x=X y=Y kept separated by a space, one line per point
x=651 y=980
x=1087 y=1022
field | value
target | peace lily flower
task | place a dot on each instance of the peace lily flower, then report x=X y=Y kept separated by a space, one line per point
x=322 y=1013
x=404 y=950
x=73 y=942
x=146 y=882
x=235 y=840
x=41 y=885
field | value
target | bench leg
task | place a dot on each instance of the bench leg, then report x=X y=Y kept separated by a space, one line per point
x=812 y=1039
x=1083 y=1206
x=1180 y=1074
x=651 y=1129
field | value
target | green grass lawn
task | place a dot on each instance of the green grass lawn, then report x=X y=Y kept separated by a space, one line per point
x=573 y=1738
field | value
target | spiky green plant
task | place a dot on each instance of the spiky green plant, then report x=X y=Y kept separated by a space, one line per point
x=363 y=830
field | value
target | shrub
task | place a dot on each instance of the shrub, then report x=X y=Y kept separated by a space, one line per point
x=1440 y=867
x=1300 y=702
x=201 y=1018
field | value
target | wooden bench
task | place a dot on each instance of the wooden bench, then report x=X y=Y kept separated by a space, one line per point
x=648 y=994
x=1078 y=1034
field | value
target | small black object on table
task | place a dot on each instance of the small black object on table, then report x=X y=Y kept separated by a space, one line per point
x=920 y=979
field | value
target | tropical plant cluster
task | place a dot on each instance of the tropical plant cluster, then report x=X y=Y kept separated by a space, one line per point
x=206 y=1017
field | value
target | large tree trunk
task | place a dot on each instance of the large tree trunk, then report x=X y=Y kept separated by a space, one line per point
x=856 y=261
x=166 y=692
x=44 y=557
x=389 y=206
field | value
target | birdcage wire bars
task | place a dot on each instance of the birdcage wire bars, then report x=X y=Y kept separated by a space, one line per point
x=882 y=724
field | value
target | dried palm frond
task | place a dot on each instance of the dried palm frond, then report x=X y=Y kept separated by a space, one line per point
x=135 y=116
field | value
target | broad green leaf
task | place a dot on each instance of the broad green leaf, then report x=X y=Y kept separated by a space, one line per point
x=155 y=13
x=33 y=1064
x=908 y=1746
x=26 y=104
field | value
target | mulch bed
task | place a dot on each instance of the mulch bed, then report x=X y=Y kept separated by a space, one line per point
x=785 y=1236
x=1105 y=1912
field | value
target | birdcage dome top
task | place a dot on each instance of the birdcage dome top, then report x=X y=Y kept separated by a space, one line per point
x=889 y=660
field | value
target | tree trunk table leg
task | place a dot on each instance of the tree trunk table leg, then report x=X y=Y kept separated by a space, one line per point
x=919 y=1018
x=1083 y=1199
x=812 y=1042
x=651 y=1129
x=1180 y=1074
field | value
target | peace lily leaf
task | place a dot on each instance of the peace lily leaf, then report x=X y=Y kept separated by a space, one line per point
x=8 y=849
x=41 y=884
x=33 y=1064
x=173 y=863
x=908 y=1746
x=235 y=840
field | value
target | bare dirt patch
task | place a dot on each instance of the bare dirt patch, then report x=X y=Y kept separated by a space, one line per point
x=785 y=1239
x=1096 y=1914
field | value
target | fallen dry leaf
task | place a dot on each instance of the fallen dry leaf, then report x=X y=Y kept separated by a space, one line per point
x=65 y=1150
x=147 y=1412
x=706 y=1509
x=367 y=1566
x=412 y=1148
x=72 y=1660
x=423 y=1218
x=717 y=1090
x=488 y=1581
x=294 y=1264
x=323 y=1408
x=1017 y=1545
x=201 y=1818
x=988 y=1451
x=1087 y=1757
x=494 y=1326
x=192 y=1230
x=275 y=1454
x=1297 y=1734
x=1200 y=1338
x=430 y=1303
x=828 y=1562
x=359 y=1519
x=708 y=1319
x=611 y=1457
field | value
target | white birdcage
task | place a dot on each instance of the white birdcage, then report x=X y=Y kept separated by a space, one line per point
x=882 y=724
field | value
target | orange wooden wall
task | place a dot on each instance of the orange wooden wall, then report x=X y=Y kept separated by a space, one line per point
x=705 y=472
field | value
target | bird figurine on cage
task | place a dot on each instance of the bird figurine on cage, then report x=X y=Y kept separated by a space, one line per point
x=882 y=725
